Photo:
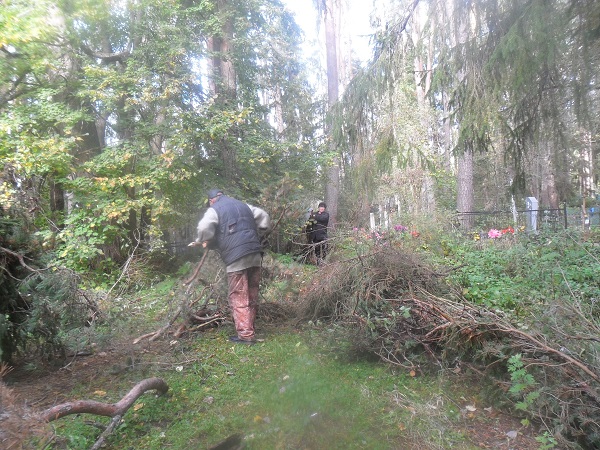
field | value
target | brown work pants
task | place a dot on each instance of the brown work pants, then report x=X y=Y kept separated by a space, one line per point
x=243 y=299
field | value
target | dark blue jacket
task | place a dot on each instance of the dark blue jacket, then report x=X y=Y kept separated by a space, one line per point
x=236 y=234
x=320 y=221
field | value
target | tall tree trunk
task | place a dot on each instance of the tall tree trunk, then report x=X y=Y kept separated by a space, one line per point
x=464 y=181
x=464 y=194
x=422 y=75
x=278 y=111
x=223 y=85
x=586 y=161
x=212 y=64
x=333 y=174
x=548 y=191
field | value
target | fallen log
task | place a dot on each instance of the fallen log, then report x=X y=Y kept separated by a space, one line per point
x=105 y=409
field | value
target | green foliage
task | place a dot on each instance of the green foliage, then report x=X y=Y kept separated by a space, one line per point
x=293 y=374
x=56 y=308
x=545 y=284
x=522 y=383
x=130 y=139
x=530 y=271
x=487 y=282
x=80 y=243
x=38 y=305
x=13 y=310
x=547 y=441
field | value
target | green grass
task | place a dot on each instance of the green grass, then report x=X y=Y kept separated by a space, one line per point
x=295 y=390
x=299 y=389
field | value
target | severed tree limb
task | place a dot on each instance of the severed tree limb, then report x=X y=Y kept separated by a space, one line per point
x=197 y=270
x=20 y=257
x=199 y=326
x=498 y=325
x=548 y=349
x=158 y=333
x=105 y=409
x=109 y=429
x=96 y=313
x=127 y=263
x=468 y=320
x=144 y=336
x=266 y=235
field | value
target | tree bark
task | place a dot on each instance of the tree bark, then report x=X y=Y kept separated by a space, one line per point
x=332 y=192
x=464 y=188
x=549 y=193
x=223 y=85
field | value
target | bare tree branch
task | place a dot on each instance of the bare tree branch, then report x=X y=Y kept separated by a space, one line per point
x=105 y=409
x=20 y=257
x=106 y=57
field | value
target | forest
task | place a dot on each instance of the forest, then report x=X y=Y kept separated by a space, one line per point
x=459 y=164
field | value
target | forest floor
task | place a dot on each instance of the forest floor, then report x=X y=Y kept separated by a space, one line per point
x=480 y=426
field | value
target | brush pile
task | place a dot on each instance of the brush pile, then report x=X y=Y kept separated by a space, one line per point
x=402 y=310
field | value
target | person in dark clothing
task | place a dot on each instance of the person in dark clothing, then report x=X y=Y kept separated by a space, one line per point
x=234 y=228
x=318 y=235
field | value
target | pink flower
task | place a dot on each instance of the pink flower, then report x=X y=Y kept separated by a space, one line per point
x=493 y=233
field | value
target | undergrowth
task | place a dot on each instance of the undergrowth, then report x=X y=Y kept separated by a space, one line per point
x=518 y=313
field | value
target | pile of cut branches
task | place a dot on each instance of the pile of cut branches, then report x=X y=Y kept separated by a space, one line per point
x=340 y=290
x=189 y=308
x=199 y=302
x=409 y=317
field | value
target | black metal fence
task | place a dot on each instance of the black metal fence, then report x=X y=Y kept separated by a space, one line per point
x=531 y=219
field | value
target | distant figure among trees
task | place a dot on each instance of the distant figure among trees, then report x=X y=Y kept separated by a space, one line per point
x=317 y=231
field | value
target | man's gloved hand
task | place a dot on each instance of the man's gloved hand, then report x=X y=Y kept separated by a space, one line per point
x=263 y=236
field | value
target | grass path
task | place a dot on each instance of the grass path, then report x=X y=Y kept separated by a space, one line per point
x=294 y=390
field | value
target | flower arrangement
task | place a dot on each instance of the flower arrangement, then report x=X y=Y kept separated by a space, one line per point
x=494 y=233
x=379 y=237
